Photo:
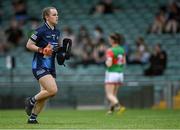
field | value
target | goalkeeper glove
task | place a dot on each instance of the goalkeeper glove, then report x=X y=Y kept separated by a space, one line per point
x=63 y=53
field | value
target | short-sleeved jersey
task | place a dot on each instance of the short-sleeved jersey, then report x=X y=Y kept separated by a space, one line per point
x=42 y=36
x=117 y=55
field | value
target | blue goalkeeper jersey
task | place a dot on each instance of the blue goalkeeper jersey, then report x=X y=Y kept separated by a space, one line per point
x=42 y=36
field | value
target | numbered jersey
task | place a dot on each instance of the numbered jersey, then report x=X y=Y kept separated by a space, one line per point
x=117 y=54
x=42 y=36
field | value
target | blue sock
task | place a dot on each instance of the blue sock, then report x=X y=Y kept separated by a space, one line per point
x=33 y=101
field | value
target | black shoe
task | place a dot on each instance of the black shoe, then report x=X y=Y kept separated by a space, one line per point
x=28 y=106
x=32 y=121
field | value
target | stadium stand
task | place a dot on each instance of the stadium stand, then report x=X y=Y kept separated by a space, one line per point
x=132 y=22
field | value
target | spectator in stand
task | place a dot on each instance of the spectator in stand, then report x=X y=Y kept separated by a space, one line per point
x=87 y=57
x=98 y=34
x=173 y=18
x=83 y=51
x=1 y=12
x=14 y=34
x=167 y=19
x=108 y=6
x=158 y=62
x=83 y=33
x=100 y=52
x=104 y=7
x=3 y=46
x=141 y=54
x=158 y=23
x=20 y=11
x=97 y=10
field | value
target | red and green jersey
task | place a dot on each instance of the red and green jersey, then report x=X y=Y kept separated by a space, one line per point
x=117 y=54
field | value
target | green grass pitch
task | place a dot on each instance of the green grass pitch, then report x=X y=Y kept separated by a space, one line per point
x=92 y=119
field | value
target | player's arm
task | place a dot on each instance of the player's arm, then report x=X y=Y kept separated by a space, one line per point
x=109 y=58
x=109 y=62
x=34 y=38
x=31 y=45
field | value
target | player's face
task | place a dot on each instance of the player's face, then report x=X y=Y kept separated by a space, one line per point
x=53 y=17
x=110 y=40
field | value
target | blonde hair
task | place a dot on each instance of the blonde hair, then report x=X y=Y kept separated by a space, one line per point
x=46 y=12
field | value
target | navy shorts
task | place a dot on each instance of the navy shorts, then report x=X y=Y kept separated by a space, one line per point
x=40 y=72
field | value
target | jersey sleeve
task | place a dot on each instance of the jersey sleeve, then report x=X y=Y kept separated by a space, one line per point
x=109 y=53
x=36 y=36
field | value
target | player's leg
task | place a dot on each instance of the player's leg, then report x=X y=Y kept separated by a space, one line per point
x=116 y=90
x=49 y=89
x=120 y=108
x=39 y=105
x=36 y=110
x=119 y=80
x=115 y=105
x=109 y=88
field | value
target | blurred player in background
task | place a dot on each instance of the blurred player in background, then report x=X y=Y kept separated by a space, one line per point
x=115 y=60
x=42 y=42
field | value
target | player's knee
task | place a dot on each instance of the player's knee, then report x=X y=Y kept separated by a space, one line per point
x=53 y=92
x=109 y=96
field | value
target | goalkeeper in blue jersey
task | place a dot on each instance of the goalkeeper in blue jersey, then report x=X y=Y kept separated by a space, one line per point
x=44 y=42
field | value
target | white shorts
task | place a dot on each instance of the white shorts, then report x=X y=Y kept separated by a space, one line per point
x=114 y=77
